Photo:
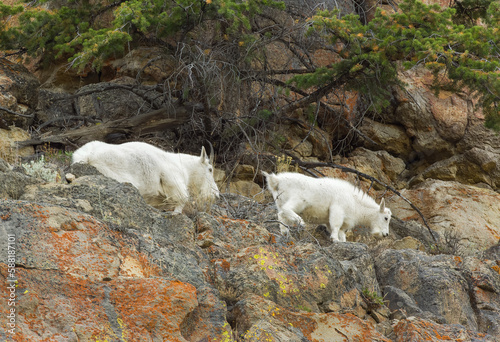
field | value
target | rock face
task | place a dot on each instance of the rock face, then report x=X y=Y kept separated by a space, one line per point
x=95 y=262
x=18 y=93
x=440 y=137
x=8 y=148
x=467 y=214
x=80 y=281
x=115 y=104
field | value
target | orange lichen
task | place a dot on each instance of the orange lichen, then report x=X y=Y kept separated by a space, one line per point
x=225 y=265
x=226 y=221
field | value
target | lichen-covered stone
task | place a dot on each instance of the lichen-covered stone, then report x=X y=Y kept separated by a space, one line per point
x=468 y=215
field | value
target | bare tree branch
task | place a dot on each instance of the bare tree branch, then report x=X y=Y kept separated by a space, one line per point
x=154 y=121
x=16 y=113
x=136 y=89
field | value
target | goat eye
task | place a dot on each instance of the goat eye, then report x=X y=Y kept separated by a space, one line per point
x=386 y=218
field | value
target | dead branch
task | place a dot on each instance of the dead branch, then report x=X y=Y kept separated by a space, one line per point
x=157 y=120
x=16 y=113
x=324 y=104
x=65 y=119
x=138 y=90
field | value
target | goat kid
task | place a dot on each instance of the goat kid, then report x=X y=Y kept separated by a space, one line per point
x=164 y=179
x=334 y=202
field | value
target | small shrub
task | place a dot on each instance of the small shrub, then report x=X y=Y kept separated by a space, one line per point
x=56 y=156
x=39 y=169
x=453 y=243
x=284 y=164
x=372 y=299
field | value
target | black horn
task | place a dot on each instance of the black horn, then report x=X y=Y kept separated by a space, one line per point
x=211 y=152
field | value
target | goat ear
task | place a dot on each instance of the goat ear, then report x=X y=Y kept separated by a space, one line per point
x=203 y=155
x=382 y=205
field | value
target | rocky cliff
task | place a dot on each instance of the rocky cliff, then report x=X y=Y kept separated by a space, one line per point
x=94 y=262
x=91 y=261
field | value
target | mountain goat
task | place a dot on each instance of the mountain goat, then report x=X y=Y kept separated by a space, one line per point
x=334 y=202
x=164 y=179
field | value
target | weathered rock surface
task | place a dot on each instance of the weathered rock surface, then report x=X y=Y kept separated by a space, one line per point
x=81 y=281
x=55 y=107
x=429 y=294
x=18 y=93
x=95 y=262
x=112 y=104
x=417 y=329
x=379 y=164
x=440 y=137
x=263 y=320
x=468 y=215
x=392 y=138
x=8 y=147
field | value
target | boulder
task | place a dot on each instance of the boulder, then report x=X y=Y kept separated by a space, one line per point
x=112 y=104
x=456 y=168
x=397 y=299
x=356 y=261
x=451 y=114
x=420 y=285
x=54 y=107
x=9 y=151
x=433 y=123
x=484 y=285
x=300 y=146
x=418 y=329
x=261 y=319
x=244 y=172
x=75 y=280
x=466 y=215
x=18 y=93
x=379 y=164
x=391 y=138
x=13 y=184
x=246 y=188
x=144 y=62
x=426 y=281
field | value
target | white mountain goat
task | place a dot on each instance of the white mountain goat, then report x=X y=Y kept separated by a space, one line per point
x=164 y=179
x=334 y=202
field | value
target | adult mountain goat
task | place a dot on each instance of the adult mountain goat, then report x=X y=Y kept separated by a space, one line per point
x=334 y=202
x=164 y=179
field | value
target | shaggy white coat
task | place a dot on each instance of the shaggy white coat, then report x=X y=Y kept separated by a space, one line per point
x=334 y=202
x=164 y=179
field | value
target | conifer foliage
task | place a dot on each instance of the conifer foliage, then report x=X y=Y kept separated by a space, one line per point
x=418 y=34
x=460 y=44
